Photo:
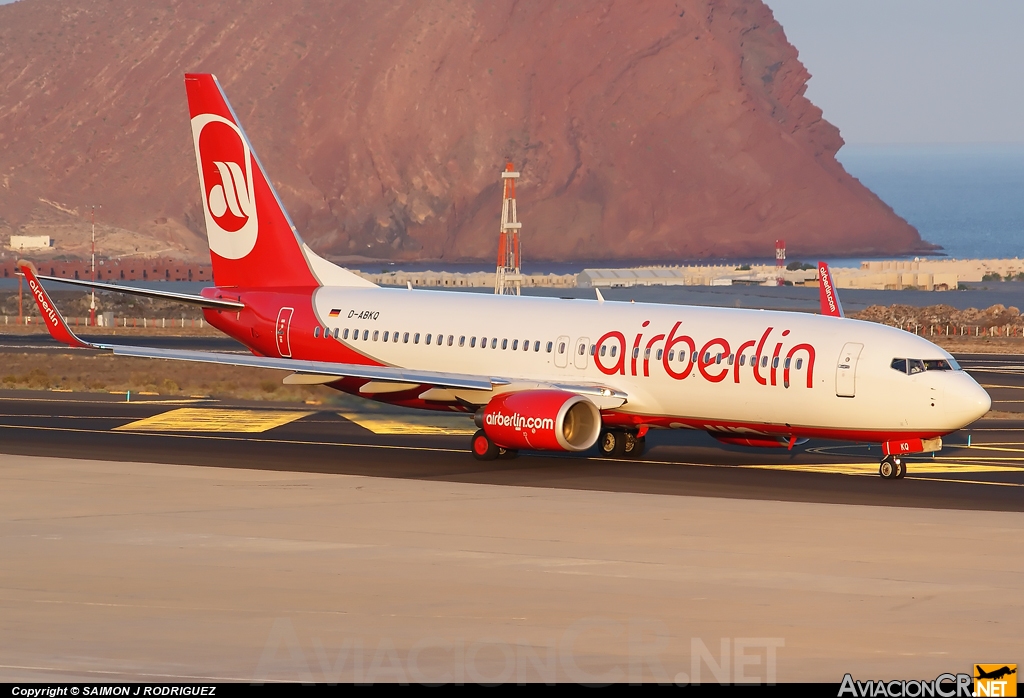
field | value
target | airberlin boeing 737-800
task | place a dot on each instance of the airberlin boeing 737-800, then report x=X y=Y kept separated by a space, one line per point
x=544 y=373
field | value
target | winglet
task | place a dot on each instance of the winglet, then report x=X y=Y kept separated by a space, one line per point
x=59 y=329
x=830 y=304
x=600 y=298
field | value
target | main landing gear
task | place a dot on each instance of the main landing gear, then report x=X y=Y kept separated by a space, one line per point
x=621 y=443
x=892 y=468
x=485 y=449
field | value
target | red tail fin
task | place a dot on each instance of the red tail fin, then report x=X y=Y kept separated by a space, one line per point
x=830 y=304
x=253 y=243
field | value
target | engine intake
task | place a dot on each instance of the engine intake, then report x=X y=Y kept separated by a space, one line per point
x=541 y=420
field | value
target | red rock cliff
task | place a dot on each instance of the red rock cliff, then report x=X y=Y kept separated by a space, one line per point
x=666 y=129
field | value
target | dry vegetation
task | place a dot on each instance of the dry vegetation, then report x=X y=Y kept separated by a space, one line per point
x=101 y=372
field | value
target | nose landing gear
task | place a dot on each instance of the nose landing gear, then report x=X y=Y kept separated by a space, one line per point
x=892 y=468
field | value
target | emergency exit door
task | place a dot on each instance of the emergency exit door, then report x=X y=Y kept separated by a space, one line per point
x=283 y=332
x=846 y=370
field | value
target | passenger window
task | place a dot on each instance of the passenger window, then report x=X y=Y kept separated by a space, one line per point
x=593 y=349
x=799 y=364
x=526 y=345
x=494 y=342
x=472 y=342
x=915 y=366
x=764 y=361
x=515 y=344
x=428 y=339
x=775 y=362
x=671 y=355
x=405 y=338
x=787 y=362
x=693 y=357
x=729 y=360
x=549 y=345
x=743 y=359
x=451 y=339
x=647 y=354
x=394 y=337
x=385 y=336
x=462 y=341
x=316 y=331
x=583 y=350
x=536 y=345
x=483 y=342
x=636 y=352
x=718 y=358
x=416 y=338
x=604 y=349
x=366 y=335
x=707 y=357
x=561 y=347
x=615 y=350
x=504 y=344
x=376 y=334
x=335 y=332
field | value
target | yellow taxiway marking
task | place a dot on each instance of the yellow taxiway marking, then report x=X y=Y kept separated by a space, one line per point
x=872 y=468
x=207 y=419
x=425 y=424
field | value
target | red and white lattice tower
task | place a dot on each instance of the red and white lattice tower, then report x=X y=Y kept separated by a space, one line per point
x=509 y=279
x=780 y=262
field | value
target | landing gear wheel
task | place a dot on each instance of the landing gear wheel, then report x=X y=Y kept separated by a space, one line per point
x=612 y=443
x=635 y=445
x=507 y=453
x=483 y=447
x=892 y=468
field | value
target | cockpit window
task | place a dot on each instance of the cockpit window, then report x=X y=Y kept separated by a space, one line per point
x=912 y=366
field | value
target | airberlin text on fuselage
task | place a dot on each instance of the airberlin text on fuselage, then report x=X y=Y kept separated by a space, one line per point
x=768 y=362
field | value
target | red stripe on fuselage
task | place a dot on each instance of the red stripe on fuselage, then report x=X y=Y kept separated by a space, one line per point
x=255 y=325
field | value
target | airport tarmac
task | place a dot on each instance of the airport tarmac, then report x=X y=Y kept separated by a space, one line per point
x=173 y=540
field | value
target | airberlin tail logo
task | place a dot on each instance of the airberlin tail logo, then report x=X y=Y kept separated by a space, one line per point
x=226 y=177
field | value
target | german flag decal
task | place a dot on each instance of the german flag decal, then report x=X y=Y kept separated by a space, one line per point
x=335 y=312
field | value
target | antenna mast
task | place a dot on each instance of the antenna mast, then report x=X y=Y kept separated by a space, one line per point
x=509 y=279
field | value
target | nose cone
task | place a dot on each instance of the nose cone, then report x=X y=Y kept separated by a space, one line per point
x=967 y=400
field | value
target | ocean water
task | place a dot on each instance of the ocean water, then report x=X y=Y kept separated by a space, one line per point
x=969 y=199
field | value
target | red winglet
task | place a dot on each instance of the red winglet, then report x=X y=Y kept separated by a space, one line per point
x=830 y=304
x=59 y=329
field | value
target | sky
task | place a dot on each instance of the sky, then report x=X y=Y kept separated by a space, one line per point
x=913 y=71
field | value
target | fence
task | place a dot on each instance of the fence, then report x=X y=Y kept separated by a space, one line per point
x=145 y=323
x=950 y=330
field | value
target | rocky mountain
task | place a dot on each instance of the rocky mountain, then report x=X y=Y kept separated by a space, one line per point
x=668 y=129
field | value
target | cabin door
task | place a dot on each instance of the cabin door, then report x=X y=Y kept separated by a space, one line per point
x=283 y=332
x=846 y=370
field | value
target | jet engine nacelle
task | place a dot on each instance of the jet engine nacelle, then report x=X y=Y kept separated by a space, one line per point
x=541 y=420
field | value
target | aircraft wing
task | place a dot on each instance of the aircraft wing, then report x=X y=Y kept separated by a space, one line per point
x=60 y=331
x=219 y=303
x=827 y=294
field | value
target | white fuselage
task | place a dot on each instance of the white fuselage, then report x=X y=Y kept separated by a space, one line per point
x=840 y=377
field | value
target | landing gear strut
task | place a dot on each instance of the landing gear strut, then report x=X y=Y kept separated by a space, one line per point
x=892 y=468
x=619 y=443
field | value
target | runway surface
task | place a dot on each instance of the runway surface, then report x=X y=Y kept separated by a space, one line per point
x=358 y=438
x=195 y=540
